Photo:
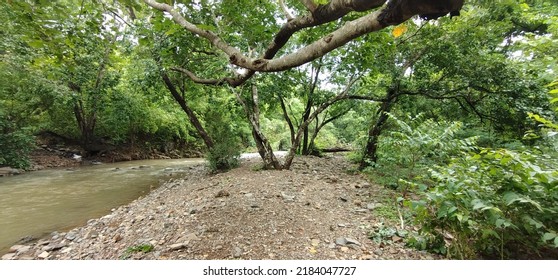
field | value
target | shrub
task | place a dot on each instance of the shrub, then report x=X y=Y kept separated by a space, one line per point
x=494 y=204
x=224 y=156
x=15 y=145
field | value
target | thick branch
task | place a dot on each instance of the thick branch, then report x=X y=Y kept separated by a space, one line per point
x=395 y=12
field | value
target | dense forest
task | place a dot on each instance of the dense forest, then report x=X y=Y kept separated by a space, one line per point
x=453 y=104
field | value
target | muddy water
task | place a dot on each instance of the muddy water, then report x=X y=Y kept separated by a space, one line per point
x=40 y=202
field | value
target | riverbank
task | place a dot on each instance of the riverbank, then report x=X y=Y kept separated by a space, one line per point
x=316 y=210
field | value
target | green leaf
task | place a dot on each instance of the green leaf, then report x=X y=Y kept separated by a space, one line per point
x=549 y=236
x=321 y=2
x=207 y=27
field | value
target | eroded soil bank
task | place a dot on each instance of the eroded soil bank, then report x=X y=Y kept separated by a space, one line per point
x=316 y=210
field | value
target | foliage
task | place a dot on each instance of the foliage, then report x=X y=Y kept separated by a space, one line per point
x=414 y=144
x=141 y=248
x=15 y=144
x=495 y=204
x=225 y=153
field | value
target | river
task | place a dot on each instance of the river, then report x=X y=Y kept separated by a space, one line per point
x=40 y=202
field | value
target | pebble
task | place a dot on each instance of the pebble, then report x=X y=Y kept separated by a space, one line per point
x=70 y=236
x=352 y=241
x=177 y=246
x=44 y=255
x=341 y=241
x=237 y=252
x=8 y=256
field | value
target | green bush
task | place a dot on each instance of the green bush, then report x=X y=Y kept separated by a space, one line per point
x=224 y=156
x=491 y=204
x=15 y=145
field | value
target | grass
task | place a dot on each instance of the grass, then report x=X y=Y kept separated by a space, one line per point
x=141 y=248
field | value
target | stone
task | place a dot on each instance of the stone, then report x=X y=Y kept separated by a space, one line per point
x=287 y=198
x=341 y=225
x=366 y=257
x=378 y=252
x=315 y=242
x=177 y=246
x=66 y=250
x=341 y=241
x=396 y=238
x=344 y=249
x=15 y=248
x=8 y=256
x=352 y=241
x=44 y=255
x=222 y=193
x=371 y=206
x=4 y=171
x=237 y=252
x=191 y=237
x=331 y=245
x=70 y=236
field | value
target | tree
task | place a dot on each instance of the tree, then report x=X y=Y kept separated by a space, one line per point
x=311 y=15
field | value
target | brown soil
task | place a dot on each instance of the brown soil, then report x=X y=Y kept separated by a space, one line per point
x=316 y=210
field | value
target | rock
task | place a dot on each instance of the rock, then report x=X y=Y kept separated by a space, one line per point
x=396 y=238
x=352 y=241
x=191 y=237
x=237 y=252
x=371 y=206
x=44 y=255
x=53 y=247
x=343 y=199
x=315 y=242
x=378 y=252
x=16 y=248
x=8 y=256
x=344 y=249
x=91 y=234
x=341 y=225
x=177 y=246
x=222 y=193
x=366 y=257
x=5 y=171
x=66 y=250
x=70 y=236
x=287 y=198
x=249 y=195
x=331 y=245
x=341 y=241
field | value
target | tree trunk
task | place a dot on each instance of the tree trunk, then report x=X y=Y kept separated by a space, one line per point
x=370 y=153
x=262 y=143
x=191 y=115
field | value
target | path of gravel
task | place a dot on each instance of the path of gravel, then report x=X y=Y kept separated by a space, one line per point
x=316 y=210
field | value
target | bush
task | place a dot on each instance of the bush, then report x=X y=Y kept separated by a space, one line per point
x=223 y=157
x=492 y=204
x=15 y=145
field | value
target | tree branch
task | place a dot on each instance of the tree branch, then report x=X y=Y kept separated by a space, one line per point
x=395 y=12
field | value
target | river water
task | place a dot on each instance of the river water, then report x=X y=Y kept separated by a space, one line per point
x=40 y=202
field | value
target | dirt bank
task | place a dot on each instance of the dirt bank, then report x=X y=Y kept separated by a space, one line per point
x=317 y=210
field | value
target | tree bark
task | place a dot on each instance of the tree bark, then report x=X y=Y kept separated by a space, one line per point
x=395 y=12
x=208 y=141
x=262 y=143
x=370 y=152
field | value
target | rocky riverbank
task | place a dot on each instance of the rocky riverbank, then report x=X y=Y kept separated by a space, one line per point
x=316 y=210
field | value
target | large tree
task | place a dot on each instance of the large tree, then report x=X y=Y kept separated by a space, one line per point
x=374 y=15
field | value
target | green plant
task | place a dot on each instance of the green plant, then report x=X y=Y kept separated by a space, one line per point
x=141 y=248
x=495 y=204
x=15 y=145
